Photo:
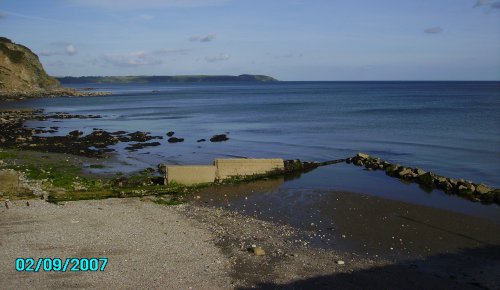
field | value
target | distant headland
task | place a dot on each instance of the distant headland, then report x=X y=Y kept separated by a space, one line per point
x=166 y=79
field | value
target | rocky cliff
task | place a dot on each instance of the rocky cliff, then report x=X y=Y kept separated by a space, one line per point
x=21 y=73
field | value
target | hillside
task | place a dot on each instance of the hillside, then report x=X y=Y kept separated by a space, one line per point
x=166 y=79
x=21 y=71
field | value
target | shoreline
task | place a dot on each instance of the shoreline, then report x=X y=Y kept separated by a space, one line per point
x=206 y=247
x=435 y=248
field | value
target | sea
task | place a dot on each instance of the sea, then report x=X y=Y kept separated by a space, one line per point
x=450 y=128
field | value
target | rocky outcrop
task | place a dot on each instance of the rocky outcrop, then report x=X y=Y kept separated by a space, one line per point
x=429 y=180
x=22 y=75
x=21 y=70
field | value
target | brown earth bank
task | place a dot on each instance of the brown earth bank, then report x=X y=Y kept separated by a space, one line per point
x=201 y=246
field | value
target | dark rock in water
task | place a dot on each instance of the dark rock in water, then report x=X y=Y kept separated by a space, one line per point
x=363 y=156
x=75 y=133
x=483 y=189
x=118 y=133
x=201 y=140
x=54 y=128
x=139 y=136
x=426 y=179
x=175 y=140
x=170 y=134
x=219 y=138
x=391 y=169
x=137 y=146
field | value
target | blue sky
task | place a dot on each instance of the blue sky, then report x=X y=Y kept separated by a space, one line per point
x=287 y=39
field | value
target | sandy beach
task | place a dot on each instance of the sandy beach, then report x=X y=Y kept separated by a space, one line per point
x=196 y=246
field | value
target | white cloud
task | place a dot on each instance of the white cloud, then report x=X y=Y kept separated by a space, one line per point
x=220 y=57
x=141 y=58
x=487 y=3
x=134 y=4
x=71 y=50
x=206 y=38
x=60 y=48
x=433 y=30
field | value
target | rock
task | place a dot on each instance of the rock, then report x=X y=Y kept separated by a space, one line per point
x=348 y=160
x=75 y=133
x=363 y=156
x=170 y=134
x=462 y=189
x=391 y=169
x=257 y=251
x=340 y=262
x=419 y=171
x=426 y=179
x=483 y=189
x=358 y=162
x=175 y=140
x=201 y=140
x=219 y=138
x=405 y=172
x=137 y=146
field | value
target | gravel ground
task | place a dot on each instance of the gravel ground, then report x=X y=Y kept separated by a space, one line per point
x=148 y=246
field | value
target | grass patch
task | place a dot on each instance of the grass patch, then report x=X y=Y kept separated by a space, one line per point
x=8 y=154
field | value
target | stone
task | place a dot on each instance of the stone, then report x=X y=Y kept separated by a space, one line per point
x=257 y=251
x=405 y=172
x=483 y=189
x=391 y=169
x=419 y=171
x=358 y=162
x=363 y=155
x=170 y=134
x=75 y=133
x=219 y=138
x=175 y=140
x=201 y=140
x=426 y=179
x=340 y=262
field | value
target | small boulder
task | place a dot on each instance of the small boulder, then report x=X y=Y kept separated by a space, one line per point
x=175 y=140
x=483 y=189
x=201 y=140
x=426 y=179
x=405 y=172
x=219 y=138
x=419 y=171
x=257 y=251
x=75 y=133
x=170 y=134
x=363 y=155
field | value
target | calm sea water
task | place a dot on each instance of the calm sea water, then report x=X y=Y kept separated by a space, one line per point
x=451 y=128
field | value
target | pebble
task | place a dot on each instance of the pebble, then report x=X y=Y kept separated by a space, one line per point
x=340 y=262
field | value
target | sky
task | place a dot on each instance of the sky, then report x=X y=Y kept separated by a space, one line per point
x=291 y=40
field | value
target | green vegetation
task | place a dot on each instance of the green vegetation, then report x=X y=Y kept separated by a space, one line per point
x=166 y=79
x=16 y=56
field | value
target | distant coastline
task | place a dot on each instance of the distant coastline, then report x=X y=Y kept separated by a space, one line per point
x=166 y=79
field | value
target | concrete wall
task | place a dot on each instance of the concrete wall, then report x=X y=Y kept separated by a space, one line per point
x=190 y=174
x=227 y=168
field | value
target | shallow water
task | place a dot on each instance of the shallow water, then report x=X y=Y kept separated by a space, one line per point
x=451 y=128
